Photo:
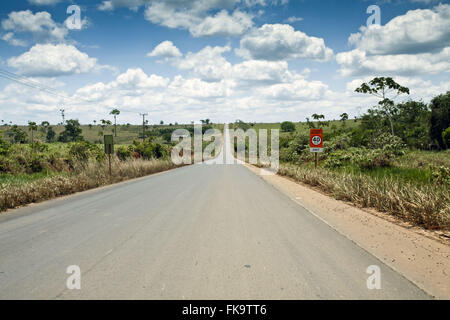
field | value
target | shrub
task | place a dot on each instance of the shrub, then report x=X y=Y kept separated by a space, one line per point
x=287 y=126
x=446 y=137
x=84 y=150
x=441 y=174
x=36 y=163
x=372 y=158
x=123 y=153
x=4 y=147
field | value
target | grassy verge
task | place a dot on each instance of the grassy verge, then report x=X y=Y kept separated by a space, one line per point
x=426 y=205
x=17 y=191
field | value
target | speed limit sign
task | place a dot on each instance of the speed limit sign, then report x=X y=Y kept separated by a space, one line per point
x=316 y=140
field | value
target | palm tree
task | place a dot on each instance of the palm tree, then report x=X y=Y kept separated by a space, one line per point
x=32 y=126
x=115 y=113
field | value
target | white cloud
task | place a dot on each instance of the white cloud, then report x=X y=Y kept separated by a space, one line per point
x=293 y=19
x=47 y=60
x=9 y=37
x=40 y=25
x=207 y=64
x=259 y=72
x=418 y=31
x=43 y=2
x=195 y=16
x=297 y=90
x=223 y=24
x=415 y=43
x=357 y=62
x=281 y=42
x=165 y=49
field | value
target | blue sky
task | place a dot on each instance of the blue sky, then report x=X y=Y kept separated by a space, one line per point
x=179 y=60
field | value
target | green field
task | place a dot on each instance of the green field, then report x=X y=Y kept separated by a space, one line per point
x=126 y=134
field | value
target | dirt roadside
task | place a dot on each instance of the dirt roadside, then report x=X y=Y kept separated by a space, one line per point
x=421 y=256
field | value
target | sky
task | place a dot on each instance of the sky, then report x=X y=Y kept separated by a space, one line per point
x=186 y=60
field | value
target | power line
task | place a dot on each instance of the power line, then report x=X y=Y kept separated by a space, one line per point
x=44 y=88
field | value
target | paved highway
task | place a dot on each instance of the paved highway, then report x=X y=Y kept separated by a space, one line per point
x=198 y=232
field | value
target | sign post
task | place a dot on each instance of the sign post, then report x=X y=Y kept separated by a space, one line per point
x=316 y=144
x=109 y=149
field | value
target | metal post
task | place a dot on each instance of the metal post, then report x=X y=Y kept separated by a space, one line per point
x=109 y=158
x=316 y=160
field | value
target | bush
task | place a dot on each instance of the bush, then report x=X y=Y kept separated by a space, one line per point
x=150 y=150
x=84 y=150
x=123 y=153
x=371 y=159
x=446 y=137
x=287 y=126
x=4 y=147
x=441 y=175
x=36 y=163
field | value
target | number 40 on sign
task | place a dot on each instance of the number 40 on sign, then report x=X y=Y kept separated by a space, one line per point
x=316 y=140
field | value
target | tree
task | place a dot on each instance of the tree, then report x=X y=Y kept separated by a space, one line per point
x=50 y=137
x=387 y=90
x=17 y=135
x=440 y=118
x=115 y=113
x=411 y=122
x=161 y=122
x=318 y=118
x=105 y=123
x=72 y=132
x=446 y=137
x=32 y=126
x=287 y=126
x=344 y=118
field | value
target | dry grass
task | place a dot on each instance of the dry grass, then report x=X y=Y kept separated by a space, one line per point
x=85 y=176
x=423 y=205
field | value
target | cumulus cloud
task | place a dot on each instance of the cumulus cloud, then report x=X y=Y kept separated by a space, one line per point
x=40 y=25
x=358 y=62
x=417 y=42
x=48 y=60
x=207 y=64
x=417 y=31
x=299 y=90
x=195 y=16
x=165 y=49
x=282 y=42
x=223 y=24
x=43 y=2
x=113 y=4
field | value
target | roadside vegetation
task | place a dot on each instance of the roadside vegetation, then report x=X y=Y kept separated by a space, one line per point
x=395 y=158
x=40 y=162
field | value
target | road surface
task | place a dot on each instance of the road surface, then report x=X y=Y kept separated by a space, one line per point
x=198 y=232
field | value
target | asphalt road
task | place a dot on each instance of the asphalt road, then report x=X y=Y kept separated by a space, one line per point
x=198 y=232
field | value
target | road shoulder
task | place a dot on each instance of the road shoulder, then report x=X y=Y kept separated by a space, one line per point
x=415 y=253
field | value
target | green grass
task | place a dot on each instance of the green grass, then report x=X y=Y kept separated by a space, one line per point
x=125 y=134
x=413 y=175
x=423 y=159
x=23 y=178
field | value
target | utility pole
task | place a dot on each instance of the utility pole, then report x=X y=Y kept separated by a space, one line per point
x=62 y=115
x=143 y=125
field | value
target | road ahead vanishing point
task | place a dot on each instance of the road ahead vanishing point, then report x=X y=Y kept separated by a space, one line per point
x=198 y=232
